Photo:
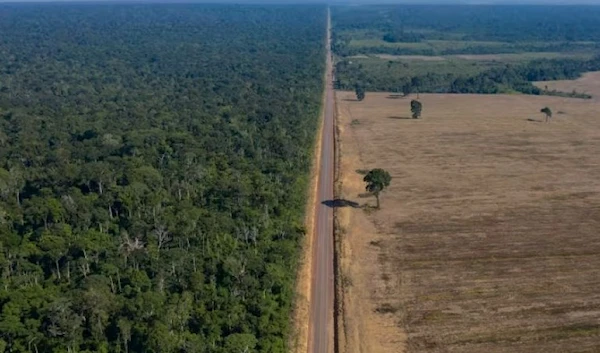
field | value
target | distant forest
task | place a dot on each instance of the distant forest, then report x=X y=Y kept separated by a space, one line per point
x=450 y=30
x=513 y=24
x=153 y=167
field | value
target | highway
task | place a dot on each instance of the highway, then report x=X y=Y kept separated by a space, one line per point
x=321 y=310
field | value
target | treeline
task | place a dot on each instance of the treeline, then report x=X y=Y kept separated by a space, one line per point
x=508 y=78
x=479 y=23
x=342 y=47
x=153 y=163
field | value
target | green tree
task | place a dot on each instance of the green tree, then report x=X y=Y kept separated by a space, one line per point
x=548 y=113
x=377 y=179
x=124 y=326
x=360 y=93
x=55 y=246
x=416 y=107
x=240 y=342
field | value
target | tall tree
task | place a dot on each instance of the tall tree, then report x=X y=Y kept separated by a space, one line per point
x=377 y=180
x=360 y=93
x=416 y=107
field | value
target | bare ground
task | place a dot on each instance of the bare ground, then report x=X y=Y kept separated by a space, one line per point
x=488 y=238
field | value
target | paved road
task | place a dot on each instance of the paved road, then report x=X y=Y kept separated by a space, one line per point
x=321 y=311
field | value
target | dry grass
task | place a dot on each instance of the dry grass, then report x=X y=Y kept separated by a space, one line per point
x=488 y=238
x=589 y=83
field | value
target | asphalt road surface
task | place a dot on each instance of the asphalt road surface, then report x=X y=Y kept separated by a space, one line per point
x=321 y=311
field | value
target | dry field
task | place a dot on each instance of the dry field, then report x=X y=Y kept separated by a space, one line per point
x=588 y=83
x=488 y=239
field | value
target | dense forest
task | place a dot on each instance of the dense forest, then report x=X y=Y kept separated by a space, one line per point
x=153 y=163
x=502 y=79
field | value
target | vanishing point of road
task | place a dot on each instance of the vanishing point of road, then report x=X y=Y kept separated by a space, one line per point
x=321 y=311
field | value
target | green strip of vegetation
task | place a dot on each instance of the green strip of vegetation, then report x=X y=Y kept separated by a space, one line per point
x=463 y=77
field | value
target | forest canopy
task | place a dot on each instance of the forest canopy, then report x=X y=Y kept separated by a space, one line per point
x=153 y=163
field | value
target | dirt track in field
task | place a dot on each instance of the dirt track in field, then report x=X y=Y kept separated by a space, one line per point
x=488 y=239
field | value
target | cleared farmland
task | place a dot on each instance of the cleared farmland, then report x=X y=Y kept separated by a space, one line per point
x=588 y=83
x=487 y=240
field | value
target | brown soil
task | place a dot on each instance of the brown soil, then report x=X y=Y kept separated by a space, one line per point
x=488 y=238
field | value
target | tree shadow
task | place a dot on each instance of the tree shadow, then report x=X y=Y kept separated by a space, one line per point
x=400 y=118
x=341 y=203
x=535 y=121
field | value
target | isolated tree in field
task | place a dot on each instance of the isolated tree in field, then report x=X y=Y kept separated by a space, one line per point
x=377 y=180
x=416 y=107
x=360 y=93
x=548 y=113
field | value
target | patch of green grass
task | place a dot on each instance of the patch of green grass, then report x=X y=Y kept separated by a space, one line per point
x=459 y=44
x=372 y=42
x=526 y=56
x=365 y=41
x=437 y=46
